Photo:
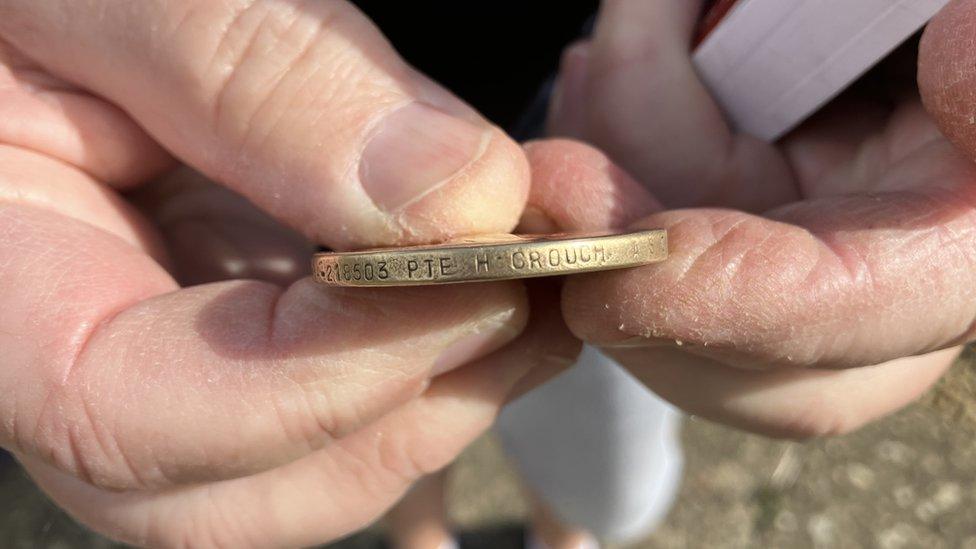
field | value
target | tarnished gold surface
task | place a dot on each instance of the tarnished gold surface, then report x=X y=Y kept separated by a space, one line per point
x=501 y=257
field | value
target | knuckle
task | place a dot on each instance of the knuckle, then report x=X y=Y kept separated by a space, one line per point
x=406 y=460
x=311 y=424
x=315 y=414
x=263 y=59
x=390 y=459
x=72 y=434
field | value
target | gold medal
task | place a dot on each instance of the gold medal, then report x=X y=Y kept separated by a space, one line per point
x=497 y=257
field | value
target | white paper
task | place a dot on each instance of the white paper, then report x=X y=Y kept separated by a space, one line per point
x=771 y=63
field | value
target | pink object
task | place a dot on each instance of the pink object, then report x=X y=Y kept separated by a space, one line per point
x=772 y=63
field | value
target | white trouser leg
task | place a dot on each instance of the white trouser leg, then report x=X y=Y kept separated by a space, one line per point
x=599 y=447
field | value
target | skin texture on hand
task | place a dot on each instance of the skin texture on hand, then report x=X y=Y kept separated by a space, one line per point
x=801 y=273
x=253 y=409
x=238 y=89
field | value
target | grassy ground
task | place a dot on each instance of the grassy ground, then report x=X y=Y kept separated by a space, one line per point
x=908 y=481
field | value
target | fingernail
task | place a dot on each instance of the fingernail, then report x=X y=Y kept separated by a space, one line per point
x=488 y=335
x=535 y=221
x=414 y=150
x=566 y=112
x=449 y=543
x=586 y=541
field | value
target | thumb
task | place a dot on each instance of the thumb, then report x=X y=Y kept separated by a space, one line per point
x=303 y=107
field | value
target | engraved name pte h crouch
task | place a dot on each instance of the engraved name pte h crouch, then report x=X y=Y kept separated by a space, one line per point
x=491 y=258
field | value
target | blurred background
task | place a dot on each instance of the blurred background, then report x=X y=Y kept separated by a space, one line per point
x=907 y=481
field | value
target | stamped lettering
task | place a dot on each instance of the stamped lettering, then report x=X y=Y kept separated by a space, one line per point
x=507 y=257
x=356 y=271
x=569 y=255
x=432 y=268
x=447 y=266
x=481 y=263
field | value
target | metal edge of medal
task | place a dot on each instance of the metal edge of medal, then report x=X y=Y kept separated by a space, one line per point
x=529 y=257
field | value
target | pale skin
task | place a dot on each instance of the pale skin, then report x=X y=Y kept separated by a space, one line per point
x=269 y=412
x=814 y=284
x=263 y=411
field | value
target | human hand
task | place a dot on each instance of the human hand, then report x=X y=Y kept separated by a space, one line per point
x=239 y=413
x=802 y=274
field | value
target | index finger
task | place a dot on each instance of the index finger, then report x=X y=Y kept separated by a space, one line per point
x=303 y=107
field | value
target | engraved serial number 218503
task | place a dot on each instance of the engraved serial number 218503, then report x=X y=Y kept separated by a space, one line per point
x=356 y=271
